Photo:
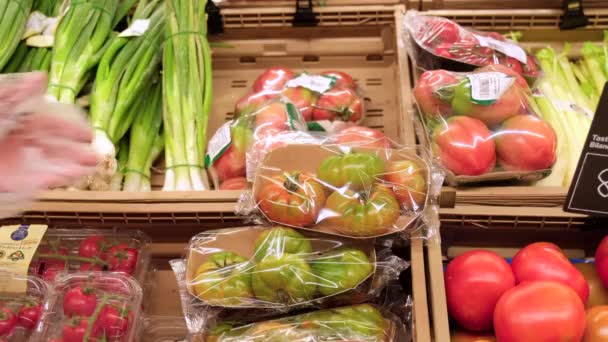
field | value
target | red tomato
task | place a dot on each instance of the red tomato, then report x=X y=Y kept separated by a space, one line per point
x=526 y=143
x=113 y=322
x=408 y=181
x=343 y=80
x=293 y=199
x=79 y=301
x=122 y=258
x=444 y=50
x=303 y=98
x=29 y=315
x=8 y=321
x=362 y=137
x=425 y=92
x=596 y=324
x=272 y=117
x=474 y=282
x=251 y=103
x=75 y=330
x=545 y=261
x=232 y=163
x=438 y=30
x=52 y=269
x=601 y=261
x=44 y=263
x=273 y=79
x=539 y=311
x=91 y=246
x=339 y=104
x=237 y=183
x=531 y=69
x=464 y=145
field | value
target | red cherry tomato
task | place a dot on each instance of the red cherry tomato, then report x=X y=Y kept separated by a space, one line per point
x=122 y=258
x=29 y=315
x=88 y=267
x=75 y=330
x=474 y=282
x=79 y=301
x=601 y=261
x=8 y=321
x=273 y=79
x=546 y=261
x=539 y=311
x=113 y=321
x=91 y=246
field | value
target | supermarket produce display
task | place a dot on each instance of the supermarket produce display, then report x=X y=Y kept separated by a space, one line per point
x=335 y=235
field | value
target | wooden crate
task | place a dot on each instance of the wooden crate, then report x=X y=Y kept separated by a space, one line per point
x=540 y=28
x=361 y=40
x=494 y=4
x=505 y=231
x=165 y=294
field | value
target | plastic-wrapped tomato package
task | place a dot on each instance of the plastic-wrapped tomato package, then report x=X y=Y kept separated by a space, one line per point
x=94 y=305
x=340 y=189
x=272 y=270
x=439 y=43
x=482 y=126
x=323 y=99
x=363 y=322
x=23 y=299
x=227 y=149
x=74 y=250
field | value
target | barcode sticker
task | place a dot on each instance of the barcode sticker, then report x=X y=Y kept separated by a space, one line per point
x=316 y=83
x=507 y=47
x=487 y=87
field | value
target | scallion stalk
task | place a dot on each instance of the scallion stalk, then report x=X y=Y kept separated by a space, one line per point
x=187 y=94
x=13 y=17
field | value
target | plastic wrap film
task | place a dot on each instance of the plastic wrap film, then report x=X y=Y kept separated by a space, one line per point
x=483 y=125
x=439 y=43
x=22 y=306
x=71 y=250
x=100 y=306
x=341 y=189
x=319 y=102
x=43 y=144
x=164 y=329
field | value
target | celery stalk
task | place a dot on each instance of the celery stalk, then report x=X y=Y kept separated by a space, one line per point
x=146 y=142
x=13 y=16
x=187 y=94
x=592 y=60
x=80 y=40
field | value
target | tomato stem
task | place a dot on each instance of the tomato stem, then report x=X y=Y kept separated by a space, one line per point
x=95 y=260
x=93 y=319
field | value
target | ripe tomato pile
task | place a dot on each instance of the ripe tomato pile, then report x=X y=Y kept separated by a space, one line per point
x=541 y=296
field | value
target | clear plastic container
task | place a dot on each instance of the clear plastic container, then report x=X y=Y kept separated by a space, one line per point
x=74 y=250
x=24 y=299
x=96 y=305
x=164 y=329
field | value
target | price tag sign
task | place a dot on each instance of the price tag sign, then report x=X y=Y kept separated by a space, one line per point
x=588 y=193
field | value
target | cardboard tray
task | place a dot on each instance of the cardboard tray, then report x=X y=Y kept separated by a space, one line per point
x=359 y=40
x=307 y=158
x=504 y=231
x=242 y=242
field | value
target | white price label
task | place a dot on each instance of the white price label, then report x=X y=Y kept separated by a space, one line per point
x=508 y=48
x=489 y=86
x=218 y=144
x=136 y=29
x=316 y=83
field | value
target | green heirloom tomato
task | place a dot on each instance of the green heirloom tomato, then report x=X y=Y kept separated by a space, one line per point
x=364 y=320
x=225 y=279
x=279 y=241
x=341 y=270
x=284 y=279
x=362 y=214
x=356 y=170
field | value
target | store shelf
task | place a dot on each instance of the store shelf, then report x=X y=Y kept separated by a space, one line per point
x=493 y=4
